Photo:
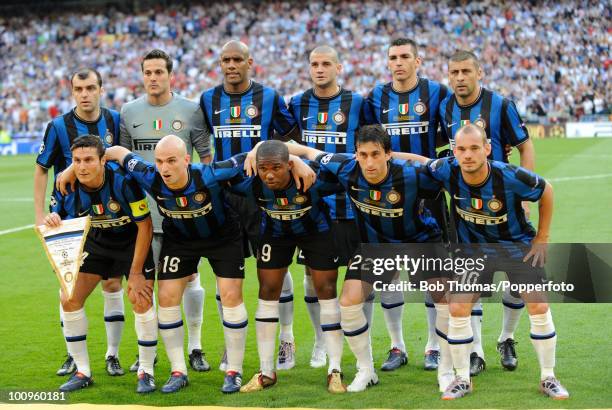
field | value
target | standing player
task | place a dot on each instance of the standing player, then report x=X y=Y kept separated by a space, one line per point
x=86 y=118
x=498 y=116
x=240 y=113
x=328 y=117
x=195 y=225
x=386 y=200
x=292 y=218
x=407 y=107
x=486 y=203
x=117 y=244
x=143 y=122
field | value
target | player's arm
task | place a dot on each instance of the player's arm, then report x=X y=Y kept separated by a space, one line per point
x=539 y=244
x=117 y=153
x=304 y=151
x=41 y=178
x=54 y=218
x=527 y=154
x=125 y=139
x=200 y=136
x=410 y=157
x=137 y=284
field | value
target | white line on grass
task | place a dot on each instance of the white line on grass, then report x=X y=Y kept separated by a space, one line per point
x=16 y=199
x=579 y=177
x=20 y=228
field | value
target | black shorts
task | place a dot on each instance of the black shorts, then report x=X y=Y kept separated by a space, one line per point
x=110 y=262
x=345 y=238
x=367 y=263
x=275 y=253
x=180 y=258
x=249 y=216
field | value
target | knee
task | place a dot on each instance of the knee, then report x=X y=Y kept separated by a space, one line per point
x=112 y=285
x=167 y=297
x=537 y=308
x=71 y=305
x=326 y=290
x=142 y=307
x=460 y=309
x=231 y=296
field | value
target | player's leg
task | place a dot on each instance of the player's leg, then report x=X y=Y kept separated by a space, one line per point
x=392 y=303
x=266 y=320
x=286 y=346
x=75 y=329
x=460 y=339
x=513 y=307
x=114 y=321
x=477 y=359
x=68 y=367
x=432 y=347
x=357 y=332
x=193 y=305
x=318 y=357
x=544 y=341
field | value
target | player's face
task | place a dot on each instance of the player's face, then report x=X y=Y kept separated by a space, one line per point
x=402 y=62
x=274 y=172
x=156 y=77
x=88 y=166
x=172 y=166
x=235 y=67
x=373 y=161
x=86 y=93
x=463 y=77
x=471 y=152
x=324 y=70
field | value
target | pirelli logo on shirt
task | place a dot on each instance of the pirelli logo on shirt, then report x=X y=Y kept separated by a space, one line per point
x=324 y=137
x=145 y=144
x=237 y=131
x=104 y=223
x=187 y=214
x=480 y=219
x=287 y=215
x=378 y=211
x=407 y=128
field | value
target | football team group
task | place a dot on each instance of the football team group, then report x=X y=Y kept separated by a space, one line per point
x=325 y=175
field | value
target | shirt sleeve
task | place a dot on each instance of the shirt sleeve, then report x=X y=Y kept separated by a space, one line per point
x=528 y=185
x=429 y=187
x=512 y=125
x=439 y=169
x=367 y=110
x=56 y=204
x=50 y=148
x=230 y=171
x=282 y=120
x=140 y=170
x=200 y=134
x=134 y=196
x=125 y=139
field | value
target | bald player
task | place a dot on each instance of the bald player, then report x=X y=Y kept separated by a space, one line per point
x=328 y=117
x=195 y=224
x=143 y=122
x=241 y=112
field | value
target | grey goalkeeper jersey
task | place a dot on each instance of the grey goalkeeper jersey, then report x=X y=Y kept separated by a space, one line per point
x=143 y=125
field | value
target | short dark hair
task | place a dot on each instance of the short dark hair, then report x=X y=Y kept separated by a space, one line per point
x=373 y=133
x=155 y=54
x=89 y=141
x=83 y=72
x=272 y=149
x=402 y=41
x=462 y=55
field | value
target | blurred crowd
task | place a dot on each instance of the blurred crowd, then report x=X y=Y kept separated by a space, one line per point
x=551 y=57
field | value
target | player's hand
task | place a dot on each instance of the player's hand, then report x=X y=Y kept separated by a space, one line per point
x=538 y=251
x=303 y=175
x=250 y=163
x=52 y=220
x=525 y=205
x=65 y=179
x=139 y=289
x=508 y=149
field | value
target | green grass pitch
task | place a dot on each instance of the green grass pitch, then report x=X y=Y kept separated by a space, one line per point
x=31 y=345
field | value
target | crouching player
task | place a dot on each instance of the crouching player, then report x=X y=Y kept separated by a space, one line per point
x=118 y=244
x=291 y=218
x=486 y=202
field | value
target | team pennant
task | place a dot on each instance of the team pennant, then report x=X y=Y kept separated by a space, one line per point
x=476 y=203
x=157 y=124
x=235 y=111
x=282 y=201
x=322 y=117
x=64 y=248
x=375 y=195
x=403 y=108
